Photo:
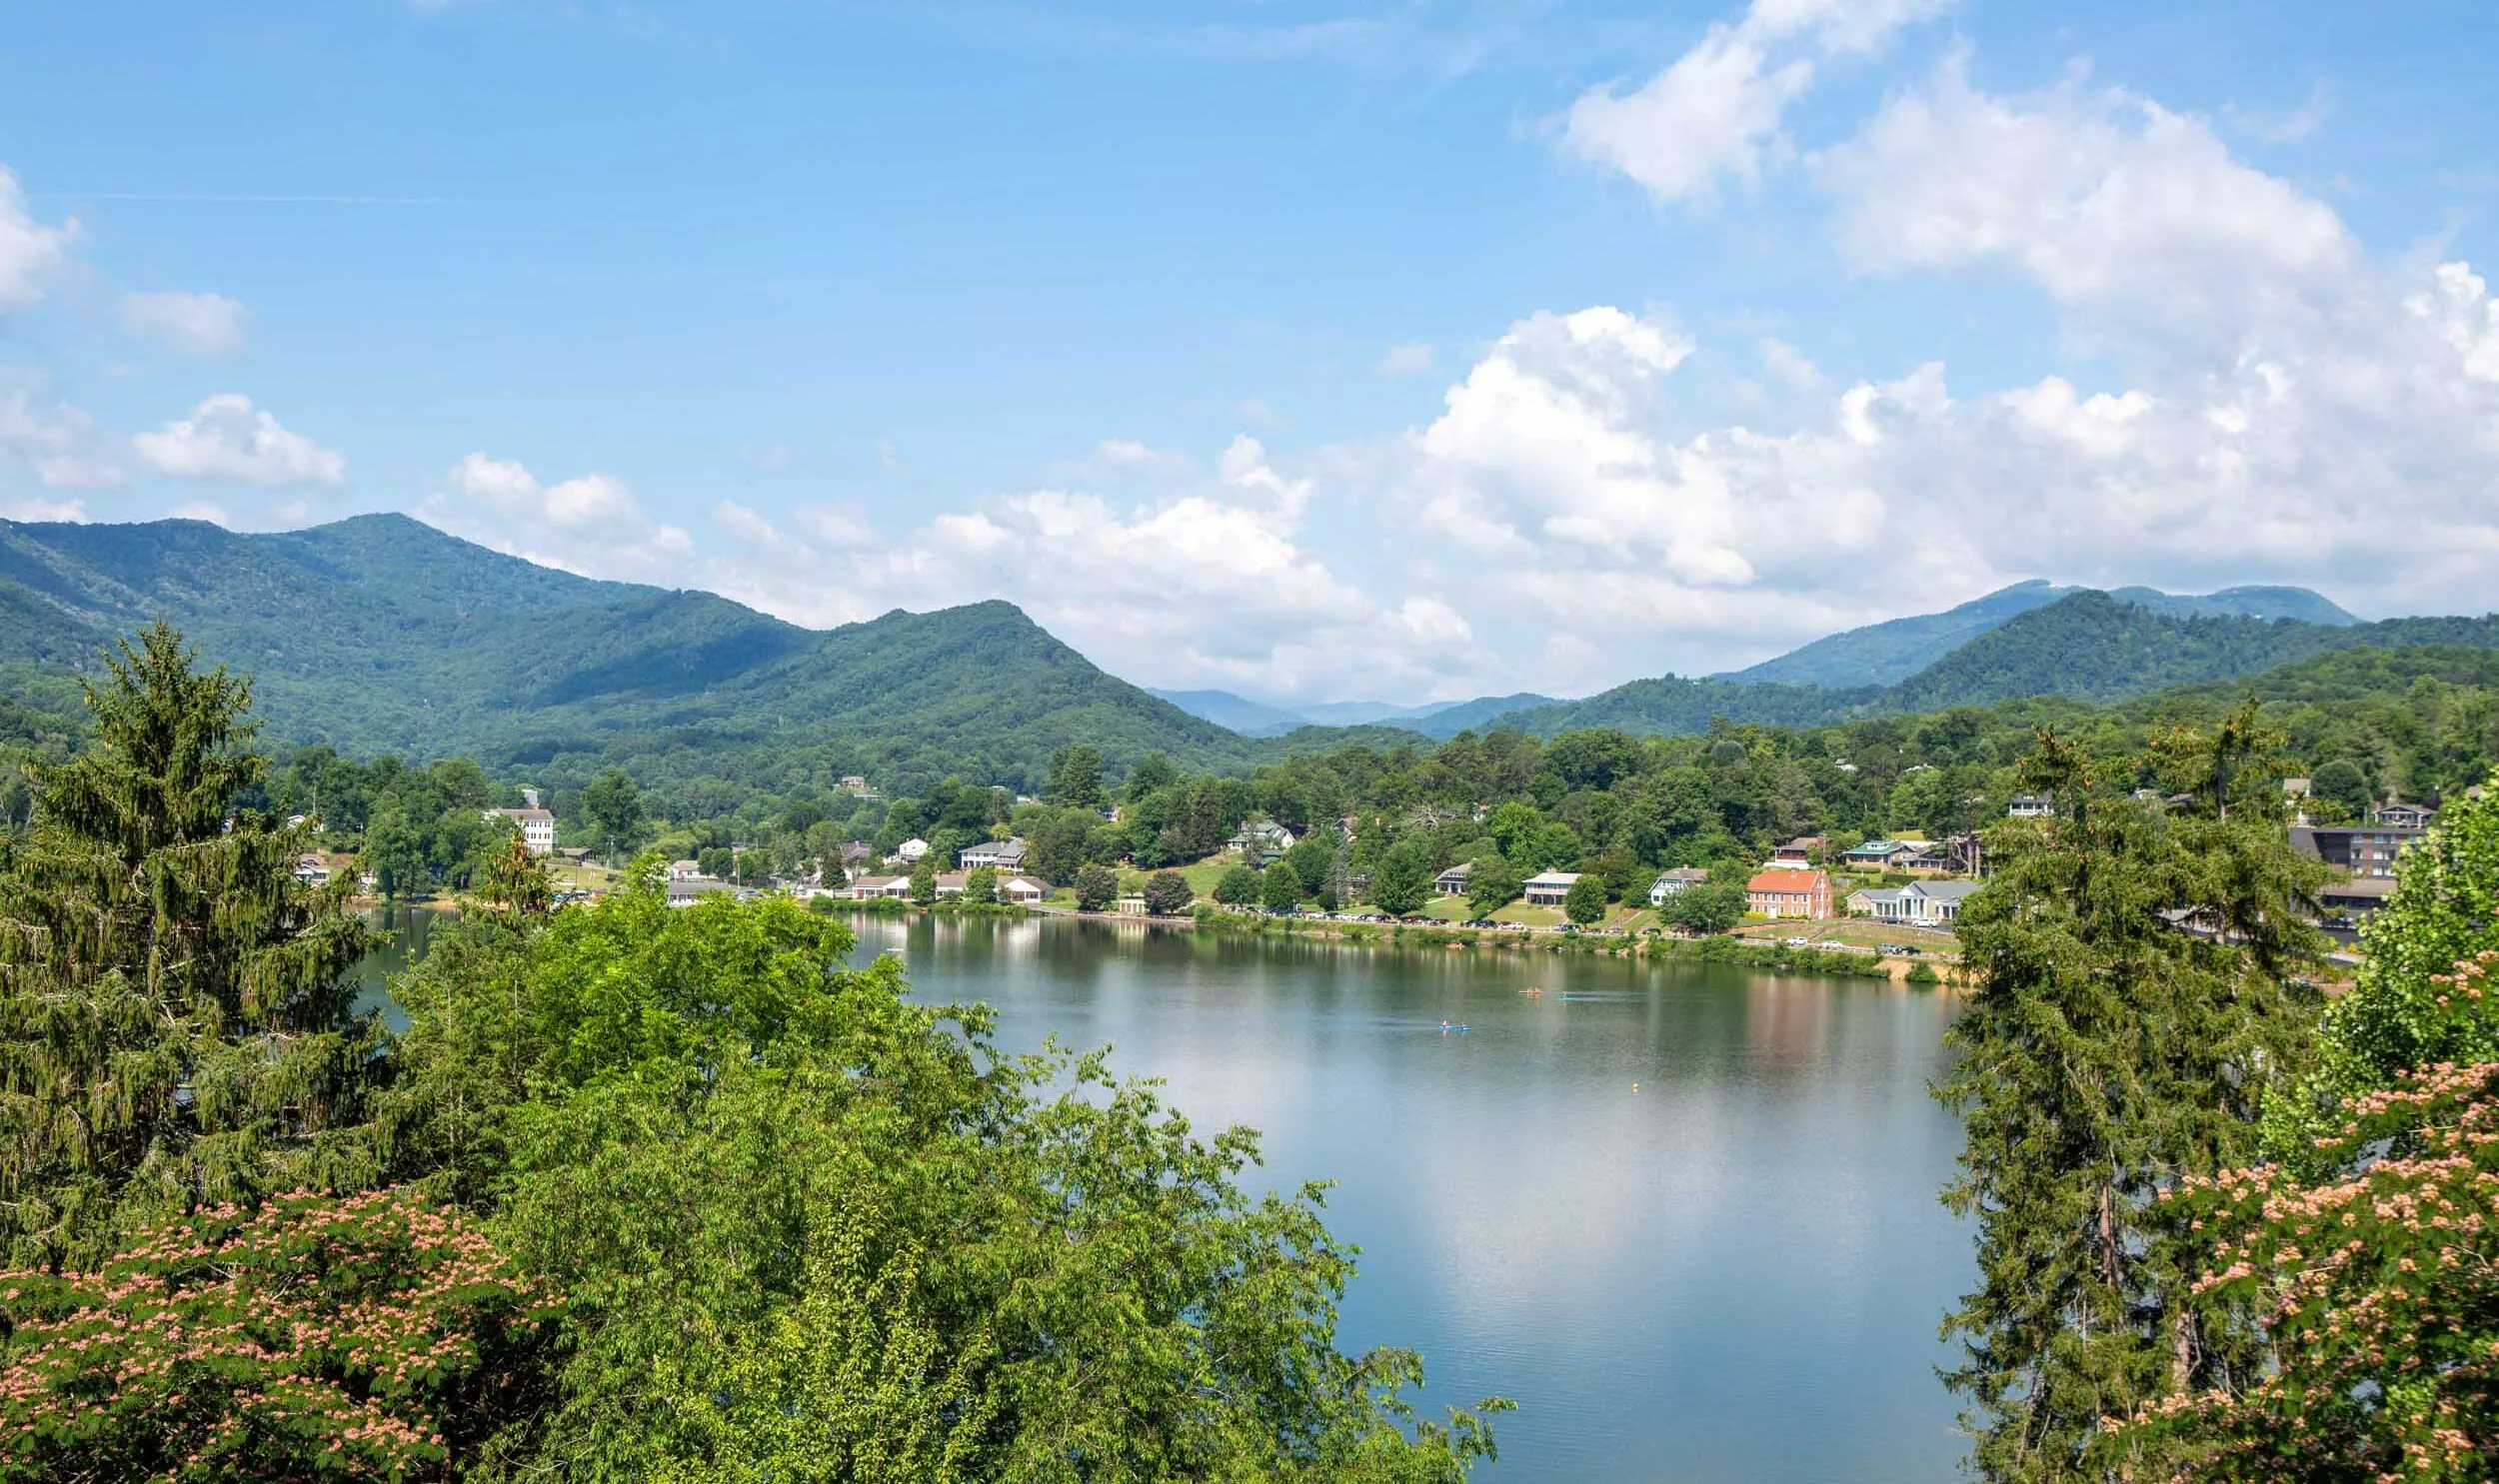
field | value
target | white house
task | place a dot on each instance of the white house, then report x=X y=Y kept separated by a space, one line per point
x=1261 y=841
x=1550 y=888
x=538 y=828
x=1021 y=890
x=869 y=888
x=1926 y=904
x=996 y=855
x=685 y=893
x=909 y=850
x=684 y=870
x=2029 y=806
x=1452 y=882
x=1668 y=882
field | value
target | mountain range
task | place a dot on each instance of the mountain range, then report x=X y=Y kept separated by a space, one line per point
x=1886 y=653
x=1257 y=718
x=382 y=634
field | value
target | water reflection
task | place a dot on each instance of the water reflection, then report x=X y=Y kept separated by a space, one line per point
x=1731 y=1270
x=411 y=930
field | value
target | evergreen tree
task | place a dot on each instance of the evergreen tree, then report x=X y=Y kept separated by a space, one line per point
x=176 y=1022
x=2135 y=993
x=1076 y=778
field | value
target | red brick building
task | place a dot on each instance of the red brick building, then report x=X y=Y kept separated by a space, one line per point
x=1787 y=892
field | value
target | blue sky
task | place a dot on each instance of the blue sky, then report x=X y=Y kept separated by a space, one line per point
x=1313 y=350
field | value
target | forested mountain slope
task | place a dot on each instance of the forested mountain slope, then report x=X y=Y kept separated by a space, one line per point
x=2095 y=647
x=382 y=634
x=2086 y=646
x=1886 y=653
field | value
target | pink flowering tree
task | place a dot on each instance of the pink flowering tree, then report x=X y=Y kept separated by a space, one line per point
x=374 y=1336
x=2378 y=1290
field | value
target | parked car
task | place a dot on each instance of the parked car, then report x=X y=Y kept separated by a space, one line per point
x=1800 y=943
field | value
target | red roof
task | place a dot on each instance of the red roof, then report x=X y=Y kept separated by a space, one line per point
x=1788 y=883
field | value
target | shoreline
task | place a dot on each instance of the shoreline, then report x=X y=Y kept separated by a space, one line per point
x=1725 y=949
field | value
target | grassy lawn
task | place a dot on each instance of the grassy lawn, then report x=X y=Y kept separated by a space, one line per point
x=1201 y=876
x=1619 y=914
x=1857 y=931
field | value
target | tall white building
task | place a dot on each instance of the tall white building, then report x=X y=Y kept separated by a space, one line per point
x=538 y=828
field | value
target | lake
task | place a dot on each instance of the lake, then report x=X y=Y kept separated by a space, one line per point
x=1686 y=1218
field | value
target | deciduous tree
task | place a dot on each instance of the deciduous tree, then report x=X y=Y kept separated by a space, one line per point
x=1238 y=887
x=1167 y=894
x=1491 y=885
x=1096 y=886
x=1584 y=902
x=614 y=806
x=371 y=1337
x=1279 y=889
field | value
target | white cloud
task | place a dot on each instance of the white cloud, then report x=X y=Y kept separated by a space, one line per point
x=589 y=524
x=72 y=511
x=747 y=524
x=1788 y=364
x=2272 y=126
x=30 y=252
x=206 y=325
x=1716 y=112
x=226 y=438
x=2135 y=219
x=1411 y=359
x=201 y=509
x=55 y=442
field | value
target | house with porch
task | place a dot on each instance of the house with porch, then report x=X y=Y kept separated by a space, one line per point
x=1550 y=888
x=1680 y=879
x=996 y=855
x=1452 y=882
x=1797 y=853
x=1261 y=841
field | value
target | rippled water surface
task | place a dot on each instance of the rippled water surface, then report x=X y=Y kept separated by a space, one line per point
x=1687 y=1217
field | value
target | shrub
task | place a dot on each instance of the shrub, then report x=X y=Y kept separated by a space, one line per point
x=374 y=1336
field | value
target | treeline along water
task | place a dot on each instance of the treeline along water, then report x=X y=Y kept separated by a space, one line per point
x=1684 y=1215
